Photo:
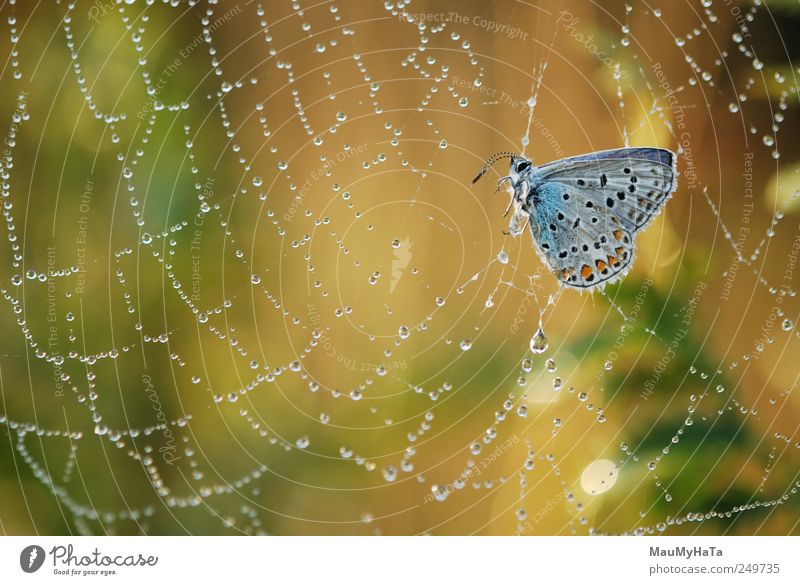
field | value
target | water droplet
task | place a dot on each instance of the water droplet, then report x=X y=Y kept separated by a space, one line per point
x=439 y=493
x=390 y=473
x=539 y=342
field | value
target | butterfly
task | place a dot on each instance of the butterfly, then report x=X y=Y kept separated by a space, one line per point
x=585 y=211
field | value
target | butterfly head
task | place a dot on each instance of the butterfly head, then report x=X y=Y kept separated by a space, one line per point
x=520 y=166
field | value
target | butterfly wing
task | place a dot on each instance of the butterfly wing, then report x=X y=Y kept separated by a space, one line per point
x=587 y=209
x=585 y=245
x=633 y=183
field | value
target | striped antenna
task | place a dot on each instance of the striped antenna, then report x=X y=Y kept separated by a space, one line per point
x=492 y=159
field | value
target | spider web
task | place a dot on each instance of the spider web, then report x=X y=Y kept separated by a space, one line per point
x=249 y=288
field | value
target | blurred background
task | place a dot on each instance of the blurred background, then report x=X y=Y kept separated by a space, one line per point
x=248 y=286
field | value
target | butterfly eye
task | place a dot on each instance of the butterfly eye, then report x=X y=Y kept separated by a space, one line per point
x=522 y=166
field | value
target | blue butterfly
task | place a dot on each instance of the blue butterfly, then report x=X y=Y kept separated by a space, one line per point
x=585 y=211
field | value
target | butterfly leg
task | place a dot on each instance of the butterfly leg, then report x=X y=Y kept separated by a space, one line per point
x=500 y=182
x=518 y=197
x=519 y=220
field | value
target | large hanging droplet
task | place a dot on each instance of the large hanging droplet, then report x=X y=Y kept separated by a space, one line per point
x=539 y=342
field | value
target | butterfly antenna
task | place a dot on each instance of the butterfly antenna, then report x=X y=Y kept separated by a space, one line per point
x=491 y=160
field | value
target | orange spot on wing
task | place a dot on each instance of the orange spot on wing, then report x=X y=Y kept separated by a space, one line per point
x=586 y=271
x=618 y=235
x=620 y=251
x=613 y=260
x=601 y=266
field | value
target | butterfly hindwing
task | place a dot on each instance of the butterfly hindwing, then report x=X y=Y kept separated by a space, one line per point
x=585 y=244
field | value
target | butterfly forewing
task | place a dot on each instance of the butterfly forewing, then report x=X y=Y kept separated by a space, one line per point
x=634 y=183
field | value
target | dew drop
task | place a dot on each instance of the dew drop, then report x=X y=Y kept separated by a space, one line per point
x=439 y=493
x=539 y=342
x=390 y=473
